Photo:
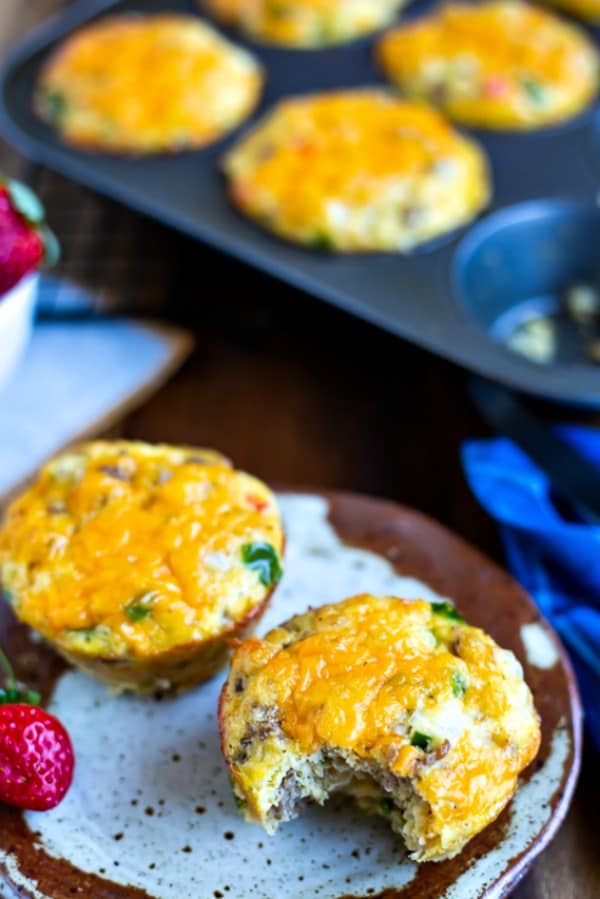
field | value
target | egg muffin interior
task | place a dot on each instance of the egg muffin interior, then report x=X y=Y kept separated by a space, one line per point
x=400 y=704
x=147 y=84
x=498 y=64
x=304 y=23
x=131 y=552
x=376 y=173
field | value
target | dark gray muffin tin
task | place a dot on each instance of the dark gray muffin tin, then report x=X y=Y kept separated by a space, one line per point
x=540 y=235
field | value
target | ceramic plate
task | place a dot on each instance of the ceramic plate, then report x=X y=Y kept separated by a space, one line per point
x=151 y=814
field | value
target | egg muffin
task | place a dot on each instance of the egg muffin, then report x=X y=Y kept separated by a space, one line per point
x=147 y=84
x=399 y=704
x=138 y=563
x=500 y=64
x=304 y=23
x=357 y=170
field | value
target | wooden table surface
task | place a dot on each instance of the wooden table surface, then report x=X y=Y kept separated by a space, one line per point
x=301 y=394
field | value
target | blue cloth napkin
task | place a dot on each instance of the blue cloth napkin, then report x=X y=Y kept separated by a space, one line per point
x=555 y=559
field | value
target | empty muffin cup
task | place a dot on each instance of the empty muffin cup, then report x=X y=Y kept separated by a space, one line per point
x=529 y=275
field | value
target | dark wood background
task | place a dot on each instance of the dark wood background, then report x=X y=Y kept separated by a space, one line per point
x=298 y=393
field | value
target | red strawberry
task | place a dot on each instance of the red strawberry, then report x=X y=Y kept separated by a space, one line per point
x=25 y=240
x=36 y=757
x=21 y=247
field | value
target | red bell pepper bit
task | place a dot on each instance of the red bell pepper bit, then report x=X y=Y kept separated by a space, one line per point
x=496 y=87
x=257 y=503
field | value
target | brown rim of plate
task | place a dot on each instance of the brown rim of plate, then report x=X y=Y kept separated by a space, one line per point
x=419 y=547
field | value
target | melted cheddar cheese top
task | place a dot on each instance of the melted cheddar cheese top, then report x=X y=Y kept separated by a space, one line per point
x=405 y=684
x=498 y=64
x=130 y=550
x=147 y=84
x=375 y=172
x=305 y=23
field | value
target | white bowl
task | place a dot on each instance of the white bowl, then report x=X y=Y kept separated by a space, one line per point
x=16 y=322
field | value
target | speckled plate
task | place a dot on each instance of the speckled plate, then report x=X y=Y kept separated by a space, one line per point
x=150 y=813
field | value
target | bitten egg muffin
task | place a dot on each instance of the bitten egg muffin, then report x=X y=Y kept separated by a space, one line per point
x=147 y=84
x=399 y=704
x=305 y=23
x=139 y=562
x=357 y=170
x=501 y=64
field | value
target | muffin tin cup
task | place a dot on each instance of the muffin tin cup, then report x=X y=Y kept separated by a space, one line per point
x=446 y=296
x=521 y=263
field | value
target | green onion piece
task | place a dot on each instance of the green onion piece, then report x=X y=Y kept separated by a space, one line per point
x=86 y=633
x=322 y=241
x=459 y=684
x=240 y=803
x=136 y=612
x=420 y=740
x=15 y=692
x=141 y=607
x=263 y=559
x=387 y=805
x=55 y=106
x=25 y=202
x=533 y=88
x=446 y=610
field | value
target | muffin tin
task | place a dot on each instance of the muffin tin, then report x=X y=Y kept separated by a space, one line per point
x=540 y=235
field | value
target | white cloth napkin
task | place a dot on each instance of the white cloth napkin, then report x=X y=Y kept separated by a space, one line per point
x=74 y=381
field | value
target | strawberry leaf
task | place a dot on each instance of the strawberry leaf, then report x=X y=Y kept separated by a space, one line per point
x=51 y=246
x=9 y=695
x=12 y=694
x=15 y=691
x=25 y=202
x=32 y=697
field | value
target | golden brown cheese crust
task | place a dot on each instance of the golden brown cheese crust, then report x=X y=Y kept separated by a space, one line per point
x=405 y=686
x=376 y=173
x=147 y=84
x=304 y=23
x=138 y=562
x=500 y=64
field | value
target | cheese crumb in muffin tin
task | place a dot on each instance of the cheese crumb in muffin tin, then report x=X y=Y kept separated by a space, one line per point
x=401 y=705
